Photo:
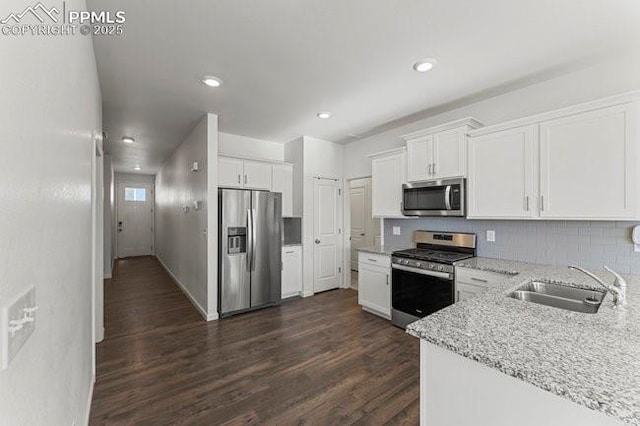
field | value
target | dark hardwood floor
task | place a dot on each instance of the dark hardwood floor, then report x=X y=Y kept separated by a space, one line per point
x=318 y=360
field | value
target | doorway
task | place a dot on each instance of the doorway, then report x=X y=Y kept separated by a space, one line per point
x=327 y=252
x=134 y=224
x=364 y=230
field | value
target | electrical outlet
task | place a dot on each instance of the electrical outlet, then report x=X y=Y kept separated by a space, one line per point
x=491 y=236
x=396 y=230
x=17 y=323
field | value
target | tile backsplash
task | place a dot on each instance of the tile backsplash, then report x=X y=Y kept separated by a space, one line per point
x=591 y=244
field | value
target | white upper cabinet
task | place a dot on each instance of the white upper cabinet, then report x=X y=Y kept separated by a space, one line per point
x=257 y=175
x=501 y=174
x=449 y=154
x=388 y=176
x=282 y=181
x=262 y=175
x=588 y=165
x=439 y=152
x=419 y=158
x=230 y=172
x=577 y=163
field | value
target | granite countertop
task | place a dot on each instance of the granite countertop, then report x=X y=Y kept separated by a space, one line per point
x=591 y=359
x=384 y=250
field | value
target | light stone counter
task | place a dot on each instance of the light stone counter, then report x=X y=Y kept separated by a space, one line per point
x=591 y=359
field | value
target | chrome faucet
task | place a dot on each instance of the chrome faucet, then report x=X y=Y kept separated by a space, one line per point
x=618 y=289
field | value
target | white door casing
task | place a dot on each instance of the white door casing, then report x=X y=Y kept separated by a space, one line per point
x=327 y=239
x=358 y=196
x=134 y=225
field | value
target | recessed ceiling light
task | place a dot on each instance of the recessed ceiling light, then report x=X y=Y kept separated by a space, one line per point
x=128 y=139
x=424 y=65
x=137 y=168
x=324 y=114
x=212 y=81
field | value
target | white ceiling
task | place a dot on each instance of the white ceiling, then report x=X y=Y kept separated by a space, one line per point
x=282 y=61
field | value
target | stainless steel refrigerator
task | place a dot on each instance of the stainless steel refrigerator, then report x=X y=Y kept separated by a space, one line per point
x=249 y=250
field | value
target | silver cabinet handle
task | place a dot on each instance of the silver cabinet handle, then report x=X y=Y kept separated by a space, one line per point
x=526 y=203
x=289 y=252
x=479 y=280
x=433 y=169
x=542 y=202
x=372 y=260
x=245 y=179
x=362 y=234
x=429 y=169
x=239 y=179
x=387 y=279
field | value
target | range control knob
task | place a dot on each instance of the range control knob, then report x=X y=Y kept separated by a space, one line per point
x=418 y=264
x=440 y=268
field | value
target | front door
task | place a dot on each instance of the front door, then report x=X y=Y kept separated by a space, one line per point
x=327 y=241
x=134 y=219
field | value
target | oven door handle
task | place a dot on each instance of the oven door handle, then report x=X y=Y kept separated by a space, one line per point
x=437 y=274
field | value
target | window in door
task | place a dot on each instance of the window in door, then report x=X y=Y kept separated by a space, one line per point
x=135 y=194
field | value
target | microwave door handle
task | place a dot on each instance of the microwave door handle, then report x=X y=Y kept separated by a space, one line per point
x=447 y=197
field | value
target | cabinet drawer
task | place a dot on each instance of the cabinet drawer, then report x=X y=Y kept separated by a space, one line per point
x=479 y=278
x=374 y=259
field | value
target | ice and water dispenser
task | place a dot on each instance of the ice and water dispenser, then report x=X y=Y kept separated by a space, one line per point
x=237 y=240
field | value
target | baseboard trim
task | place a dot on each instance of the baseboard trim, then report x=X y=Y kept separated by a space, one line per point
x=307 y=293
x=107 y=276
x=90 y=399
x=194 y=302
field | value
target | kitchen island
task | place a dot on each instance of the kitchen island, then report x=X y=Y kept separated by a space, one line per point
x=495 y=360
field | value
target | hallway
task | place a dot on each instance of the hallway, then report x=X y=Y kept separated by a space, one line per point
x=318 y=360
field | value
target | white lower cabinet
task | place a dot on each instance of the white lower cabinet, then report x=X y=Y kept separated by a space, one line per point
x=374 y=284
x=291 y=271
x=472 y=282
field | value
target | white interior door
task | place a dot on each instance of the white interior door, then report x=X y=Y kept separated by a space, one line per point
x=135 y=219
x=327 y=242
x=363 y=230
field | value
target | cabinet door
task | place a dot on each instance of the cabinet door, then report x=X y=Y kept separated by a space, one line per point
x=419 y=158
x=467 y=291
x=230 y=172
x=291 y=271
x=588 y=165
x=449 y=154
x=501 y=174
x=283 y=182
x=257 y=175
x=388 y=175
x=374 y=288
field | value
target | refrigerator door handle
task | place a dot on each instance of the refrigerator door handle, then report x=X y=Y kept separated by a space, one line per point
x=253 y=239
x=249 y=240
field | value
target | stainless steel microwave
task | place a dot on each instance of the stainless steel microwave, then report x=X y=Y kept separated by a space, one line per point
x=434 y=198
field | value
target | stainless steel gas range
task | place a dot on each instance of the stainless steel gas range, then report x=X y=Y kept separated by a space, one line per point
x=422 y=280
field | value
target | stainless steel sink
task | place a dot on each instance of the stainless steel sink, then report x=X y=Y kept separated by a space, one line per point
x=560 y=296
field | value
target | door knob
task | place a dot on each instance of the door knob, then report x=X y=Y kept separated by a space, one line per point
x=317 y=240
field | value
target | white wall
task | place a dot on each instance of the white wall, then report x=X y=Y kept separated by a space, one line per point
x=109 y=215
x=320 y=158
x=212 y=215
x=50 y=117
x=616 y=75
x=244 y=146
x=181 y=236
x=135 y=178
x=294 y=154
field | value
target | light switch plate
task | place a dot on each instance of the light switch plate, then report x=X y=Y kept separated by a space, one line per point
x=491 y=236
x=396 y=230
x=17 y=324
